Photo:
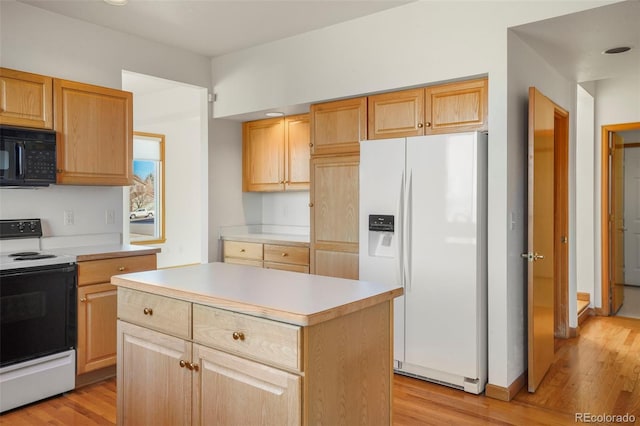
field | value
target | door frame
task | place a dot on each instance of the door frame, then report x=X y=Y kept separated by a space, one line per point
x=605 y=251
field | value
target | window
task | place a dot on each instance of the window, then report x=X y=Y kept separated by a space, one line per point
x=146 y=195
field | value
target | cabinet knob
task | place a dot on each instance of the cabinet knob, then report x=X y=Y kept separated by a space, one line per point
x=310 y=204
x=238 y=335
x=183 y=363
x=120 y=268
x=59 y=171
x=193 y=367
x=148 y=311
x=285 y=254
x=420 y=125
x=310 y=145
x=427 y=124
x=84 y=299
x=242 y=250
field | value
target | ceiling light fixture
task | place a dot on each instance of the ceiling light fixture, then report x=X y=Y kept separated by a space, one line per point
x=274 y=114
x=615 y=50
x=116 y=2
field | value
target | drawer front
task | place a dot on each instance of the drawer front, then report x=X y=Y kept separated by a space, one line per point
x=248 y=262
x=243 y=250
x=287 y=267
x=268 y=341
x=286 y=254
x=100 y=271
x=159 y=313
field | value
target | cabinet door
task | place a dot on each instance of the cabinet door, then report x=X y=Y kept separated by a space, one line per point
x=153 y=387
x=95 y=134
x=297 y=151
x=97 y=306
x=456 y=107
x=396 y=114
x=338 y=127
x=26 y=99
x=263 y=155
x=269 y=396
x=334 y=216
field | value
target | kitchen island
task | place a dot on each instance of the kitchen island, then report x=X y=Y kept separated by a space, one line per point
x=224 y=344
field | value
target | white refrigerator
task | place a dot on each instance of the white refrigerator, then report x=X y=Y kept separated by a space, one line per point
x=423 y=204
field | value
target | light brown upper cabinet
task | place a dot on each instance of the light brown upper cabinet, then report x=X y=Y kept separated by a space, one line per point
x=276 y=154
x=95 y=134
x=445 y=108
x=26 y=99
x=338 y=127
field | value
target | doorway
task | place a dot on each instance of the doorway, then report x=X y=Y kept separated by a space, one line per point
x=614 y=230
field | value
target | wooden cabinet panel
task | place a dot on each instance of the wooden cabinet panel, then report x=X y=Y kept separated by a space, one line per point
x=396 y=114
x=153 y=388
x=96 y=327
x=338 y=127
x=287 y=267
x=269 y=341
x=101 y=271
x=242 y=250
x=457 y=107
x=160 y=313
x=232 y=390
x=26 y=99
x=334 y=216
x=263 y=155
x=297 y=151
x=95 y=134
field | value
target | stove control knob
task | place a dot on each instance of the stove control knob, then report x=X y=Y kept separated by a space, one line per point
x=20 y=226
x=32 y=226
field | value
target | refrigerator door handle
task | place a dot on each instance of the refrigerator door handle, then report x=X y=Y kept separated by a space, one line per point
x=400 y=234
x=407 y=232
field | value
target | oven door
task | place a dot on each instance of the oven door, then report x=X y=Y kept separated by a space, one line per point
x=37 y=312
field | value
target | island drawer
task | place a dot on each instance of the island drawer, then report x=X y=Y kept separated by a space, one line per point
x=273 y=342
x=286 y=254
x=100 y=271
x=243 y=250
x=160 y=313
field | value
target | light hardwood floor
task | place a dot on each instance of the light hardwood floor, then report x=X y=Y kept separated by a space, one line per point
x=596 y=373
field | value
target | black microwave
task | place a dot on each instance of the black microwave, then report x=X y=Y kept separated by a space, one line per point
x=27 y=156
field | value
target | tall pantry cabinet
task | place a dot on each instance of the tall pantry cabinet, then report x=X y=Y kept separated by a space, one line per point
x=336 y=131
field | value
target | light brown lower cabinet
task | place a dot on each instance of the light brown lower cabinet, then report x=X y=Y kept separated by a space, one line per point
x=285 y=257
x=237 y=369
x=97 y=314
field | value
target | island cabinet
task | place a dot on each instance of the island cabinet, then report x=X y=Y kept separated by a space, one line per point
x=97 y=307
x=276 y=154
x=445 y=108
x=203 y=345
x=95 y=134
x=26 y=99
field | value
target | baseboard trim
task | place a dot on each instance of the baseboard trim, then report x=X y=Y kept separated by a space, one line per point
x=95 y=376
x=506 y=394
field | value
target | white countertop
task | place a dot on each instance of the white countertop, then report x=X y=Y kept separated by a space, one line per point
x=291 y=297
x=267 y=234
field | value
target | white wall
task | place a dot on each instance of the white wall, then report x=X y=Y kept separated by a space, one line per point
x=176 y=113
x=38 y=41
x=415 y=44
x=286 y=208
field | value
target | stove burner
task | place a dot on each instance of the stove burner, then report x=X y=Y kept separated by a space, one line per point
x=35 y=256
x=24 y=253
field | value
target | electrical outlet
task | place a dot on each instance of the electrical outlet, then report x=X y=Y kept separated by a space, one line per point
x=68 y=217
x=110 y=217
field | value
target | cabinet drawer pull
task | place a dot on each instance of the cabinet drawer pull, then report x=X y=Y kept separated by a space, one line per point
x=148 y=311
x=121 y=268
x=242 y=250
x=238 y=335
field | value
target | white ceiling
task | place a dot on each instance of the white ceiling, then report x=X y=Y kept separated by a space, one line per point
x=574 y=43
x=216 y=27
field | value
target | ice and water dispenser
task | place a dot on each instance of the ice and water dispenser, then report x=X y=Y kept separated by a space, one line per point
x=382 y=238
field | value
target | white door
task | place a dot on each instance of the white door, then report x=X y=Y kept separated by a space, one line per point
x=632 y=216
x=381 y=193
x=441 y=292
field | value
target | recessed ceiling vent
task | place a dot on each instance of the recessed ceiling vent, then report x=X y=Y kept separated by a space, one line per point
x=615 y=50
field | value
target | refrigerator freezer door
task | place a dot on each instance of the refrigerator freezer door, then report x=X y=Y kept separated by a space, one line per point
x=381 y=193
x=441 y=302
